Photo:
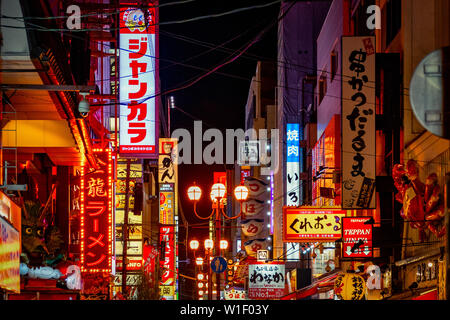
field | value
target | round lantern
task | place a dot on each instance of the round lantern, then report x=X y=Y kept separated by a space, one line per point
x=194 y=193
x=350 y=286
x=241 y=193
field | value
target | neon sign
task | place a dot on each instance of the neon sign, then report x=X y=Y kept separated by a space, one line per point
x=138 y=70
x=96 y=215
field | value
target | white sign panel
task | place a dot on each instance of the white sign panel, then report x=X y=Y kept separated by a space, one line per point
x=138 y=116
x=358 y=123
x=249 y=153
x=266 y=281
x=293 y=164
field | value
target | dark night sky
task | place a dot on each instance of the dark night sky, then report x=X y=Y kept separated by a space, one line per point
x=217 y=100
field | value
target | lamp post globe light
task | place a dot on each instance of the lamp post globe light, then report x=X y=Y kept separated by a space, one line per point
x=217 y=195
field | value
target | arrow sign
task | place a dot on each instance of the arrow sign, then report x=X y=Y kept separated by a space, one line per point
x=366 y=250
x=349 y=251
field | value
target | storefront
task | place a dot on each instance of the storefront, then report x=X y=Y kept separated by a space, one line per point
x=10 y=246
x=423 y=276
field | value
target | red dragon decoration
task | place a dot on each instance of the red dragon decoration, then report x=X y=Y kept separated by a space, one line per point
x=423 y=205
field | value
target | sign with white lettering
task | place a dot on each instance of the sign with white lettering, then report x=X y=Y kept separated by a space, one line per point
x=358 y=123
x=293 y=153
x=357 y=237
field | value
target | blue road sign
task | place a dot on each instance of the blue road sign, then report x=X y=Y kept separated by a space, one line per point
x=218 y=264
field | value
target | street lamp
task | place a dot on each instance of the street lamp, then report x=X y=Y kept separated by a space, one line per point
x=223 y=244
x=209 y=244
x=194 y=244
x=199 y=261
x=217 y=194
x=194 y=193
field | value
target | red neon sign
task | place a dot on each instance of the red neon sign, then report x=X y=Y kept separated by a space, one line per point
x=168 y=261
x=96 y=215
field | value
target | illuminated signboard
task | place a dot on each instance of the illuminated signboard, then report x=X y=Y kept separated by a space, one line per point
x=306 y=224
x=235 y=294
x=9 y=257
x=96 y=215
x=134 y=264
x=138 y=71
x=168 y=261
x=254 y=223
x=244 y=174
x=356 y=232
x=266 y=281
x=293 y=164
x=325 y=159
x=148 y=257
x=168 y=216
x=166 y=207
x=358 y=123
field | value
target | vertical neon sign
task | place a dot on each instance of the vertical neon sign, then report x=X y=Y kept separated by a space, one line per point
x=292 y=164
x=96 y=215
x=138 y=71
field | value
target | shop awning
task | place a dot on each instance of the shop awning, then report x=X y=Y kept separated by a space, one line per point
x=428 y=295
x=324 y=281
x=30 y=57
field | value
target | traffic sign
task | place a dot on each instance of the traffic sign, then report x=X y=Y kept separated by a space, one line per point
x=218 y=264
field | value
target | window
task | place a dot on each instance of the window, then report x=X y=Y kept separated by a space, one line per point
x=334 y=64
x=322 y=87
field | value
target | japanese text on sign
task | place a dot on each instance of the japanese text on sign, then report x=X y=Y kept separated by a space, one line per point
x=138 y=116
x=292 y=165
x=358 y=123
x=312 y=224
x=266 y=281
x=96 y=215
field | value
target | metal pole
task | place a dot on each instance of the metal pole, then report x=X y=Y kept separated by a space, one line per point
x=218 y=246
x=125 y=230
x=210 y=283
x=168 y=115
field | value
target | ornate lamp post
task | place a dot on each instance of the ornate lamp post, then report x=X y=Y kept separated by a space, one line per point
x=217 y=194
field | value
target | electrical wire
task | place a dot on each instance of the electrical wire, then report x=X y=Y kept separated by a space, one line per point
x=217 y=15
x=97 y=14
x=253 y=57
x=209 y=72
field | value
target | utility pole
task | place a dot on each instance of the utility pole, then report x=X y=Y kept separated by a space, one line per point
x=218 y=228
x=125 y=230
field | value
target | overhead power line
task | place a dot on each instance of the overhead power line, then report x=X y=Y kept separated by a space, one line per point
x=217 y=15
